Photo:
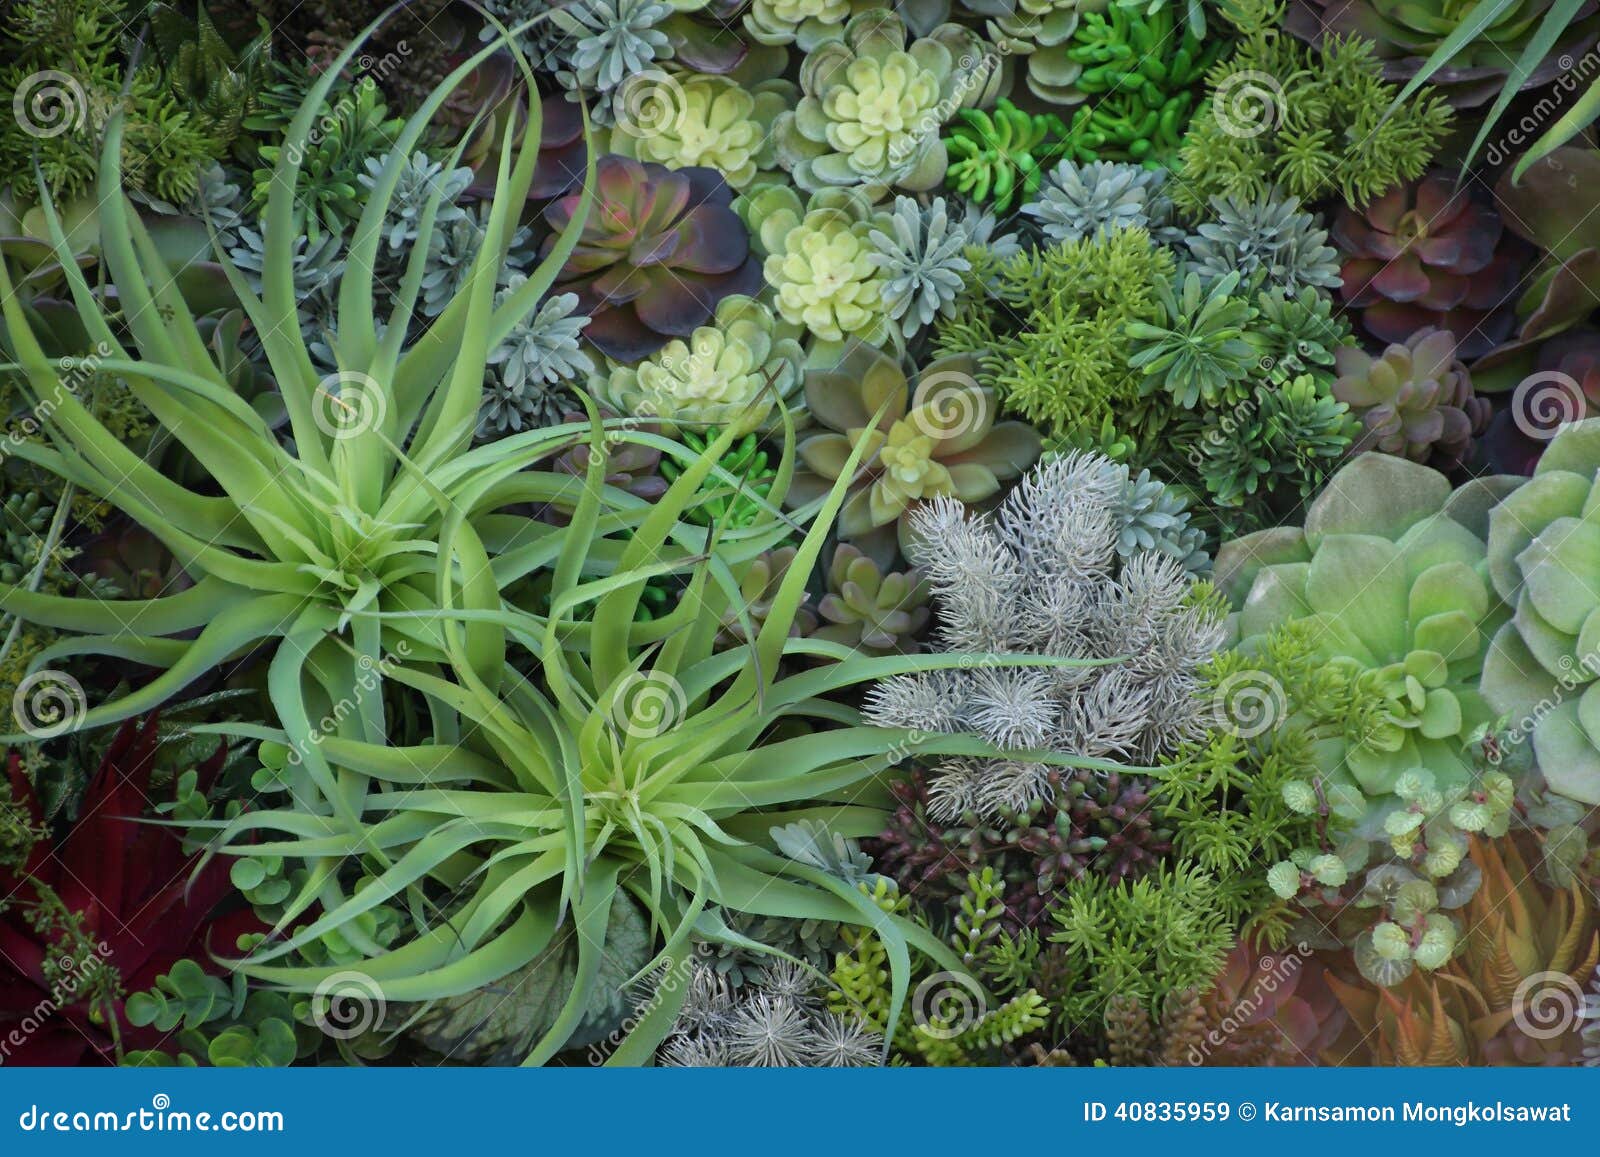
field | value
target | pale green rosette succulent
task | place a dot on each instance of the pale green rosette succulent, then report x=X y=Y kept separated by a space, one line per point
x=1392 y=572
x=1544 y=559
x=1036 y=34
x=804 y=23
x=732 y=372
x=819 y=261
x=710 y=121
x=873 y=104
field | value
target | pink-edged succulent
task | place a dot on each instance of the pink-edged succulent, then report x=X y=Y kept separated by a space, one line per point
x=1415 y=400
x=658 y=251
x=1429 y=254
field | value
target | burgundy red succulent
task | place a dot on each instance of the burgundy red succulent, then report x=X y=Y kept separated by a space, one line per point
x=1092 y=822
x=658 y=250
x=1429 y=254
x=131 y=903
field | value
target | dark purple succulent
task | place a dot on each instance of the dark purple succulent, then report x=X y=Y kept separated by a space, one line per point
x=1093 y=821
x=659 y=250
x=1427 y=254
x=1563 y=386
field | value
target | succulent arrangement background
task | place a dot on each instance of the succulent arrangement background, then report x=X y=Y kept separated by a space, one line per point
x=799 y=532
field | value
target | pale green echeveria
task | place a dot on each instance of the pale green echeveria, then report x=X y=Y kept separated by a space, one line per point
x=818 y=259
x=733 y=372
x=874 y=103
x=1392 y=571
x=1544 y=559
x=806 y=24
x=709 y=121
x=1034 y=37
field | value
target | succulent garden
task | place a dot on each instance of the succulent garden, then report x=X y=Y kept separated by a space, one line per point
x=800 y=532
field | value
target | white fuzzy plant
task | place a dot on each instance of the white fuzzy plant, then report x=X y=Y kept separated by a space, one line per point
x=1041 y=575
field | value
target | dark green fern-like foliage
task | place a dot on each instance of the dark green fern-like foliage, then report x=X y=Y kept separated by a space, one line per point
x=1280 y=116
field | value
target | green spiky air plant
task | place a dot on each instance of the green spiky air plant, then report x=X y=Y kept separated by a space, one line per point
x=371 y=561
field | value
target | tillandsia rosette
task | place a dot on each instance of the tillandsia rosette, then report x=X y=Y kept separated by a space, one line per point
x=874 y=103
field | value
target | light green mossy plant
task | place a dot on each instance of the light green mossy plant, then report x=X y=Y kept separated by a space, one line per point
x=1303 y=122
x=1059 y=352
x=1390 y=577
x=873 y=104
x=716 y=123
x=1543 y=667
x=735 y=371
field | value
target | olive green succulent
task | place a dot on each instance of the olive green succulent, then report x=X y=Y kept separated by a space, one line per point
x=759 y=583
x=1415 y=400
x=715 y=122
x=874 y=611
x=1037 y=35
x=873 y=104
x=1391 y=576
x=1544 y=556
x=938 y=438
x=820 y=262
x=730 y=372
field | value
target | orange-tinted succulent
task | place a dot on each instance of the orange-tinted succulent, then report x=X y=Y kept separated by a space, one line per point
x=1510 y=995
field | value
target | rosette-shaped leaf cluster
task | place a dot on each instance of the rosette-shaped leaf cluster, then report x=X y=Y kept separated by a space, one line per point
x=1036 y=35
x=1391 y=573
x=730 y=372
x=1079 y=201
x=1408 y=35
x=759 y=583
x=1427 y=254
x=874 y=610
x=656 y=254
x=706 y=121
x=822 y=264
x=804 y=23
x=936 y=438
x=1415 y=400
x=1544 y=555
x=874 y=102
